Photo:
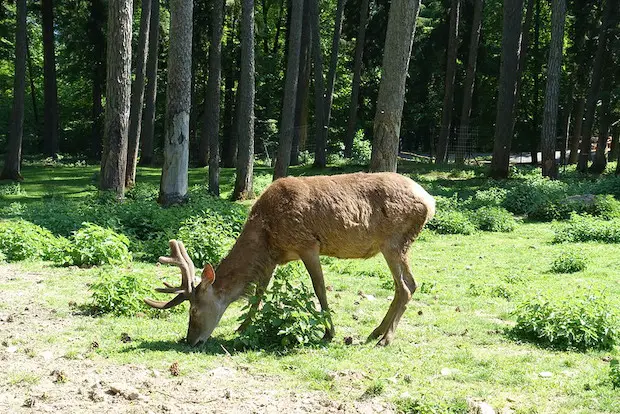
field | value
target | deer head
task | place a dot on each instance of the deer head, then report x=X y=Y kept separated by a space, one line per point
x=206 y=308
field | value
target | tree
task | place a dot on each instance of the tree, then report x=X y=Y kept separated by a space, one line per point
x=174 y=177
x=118 y=89
x=333 y=63
x=229 y=144
x=391 y=99
x=357 y=78
x=245 y=106
x=554 y=71
x=320 y=158
x=137 y=94
x=504 y=123
x=448 y=97
x=50 y=89
x=147 y=131
x=300 y=132
x=600 y=157
x=290 y=91
x=13 y=160
x=96 y=22
x=470 y=79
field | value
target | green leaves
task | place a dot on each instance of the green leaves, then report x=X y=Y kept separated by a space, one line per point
x=21 y=240
x=93 y=245
x=569 y=262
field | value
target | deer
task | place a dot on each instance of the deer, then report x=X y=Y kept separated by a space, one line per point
x=347 y=216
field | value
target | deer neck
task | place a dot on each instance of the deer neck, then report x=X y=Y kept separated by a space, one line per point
x=249 y=262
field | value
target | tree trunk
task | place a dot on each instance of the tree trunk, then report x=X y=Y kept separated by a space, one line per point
x=552 y=94
x=229 y=133
x=593 y=93
x=174 y=177
x=357 y=78
x=50 y=89
x=290 y=91
x=615 y=143
x=301 y=100
x=391 y=99
x=13 y=160
x=118 y=90
x=229 y=144
x=448 y=97
x=320 y=157
x=600 y=157
x=573 y=146
x=504 y=123
x=470 y=79
x=245 y=107
x=537 y=70
x=147 y=133
x=33 y=92
x=137 y=94
x=96 y=22
x=276 y=40
x=333 y=65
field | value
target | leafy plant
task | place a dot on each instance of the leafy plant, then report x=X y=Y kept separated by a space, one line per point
x=496 y=219
x=585 y=321
x=289 y=317
x=361 y=150
x=207 y=238
x=94 y=245
x=20 y=240
x=451 y=222
x=569 y=262
x=426 y=405
x=537 y=198
x=583 y=228
x=493 y=196
x=614 y=373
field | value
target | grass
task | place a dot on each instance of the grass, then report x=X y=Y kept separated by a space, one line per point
x=453 y=342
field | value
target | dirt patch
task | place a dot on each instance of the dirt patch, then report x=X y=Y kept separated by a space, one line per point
x=44 y=380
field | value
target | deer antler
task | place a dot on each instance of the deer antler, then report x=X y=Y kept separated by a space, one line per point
x=180 y=258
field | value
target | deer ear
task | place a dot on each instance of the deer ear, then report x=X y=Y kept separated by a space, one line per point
x=208 y=274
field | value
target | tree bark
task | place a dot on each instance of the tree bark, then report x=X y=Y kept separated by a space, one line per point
x=448 y=97
x=573 y=145
x=50 y=89
x=96 y=22
x=600 y=156
x=118 y=89
x=552 y=94
x=333 y=65
x=33 y=92
x=137 y=94
x=276 y=40
x=390 y=102
x=13 y=160
x=357 y=78
x=300 y=133
x=470 y=79
x=245 y=107
x=537 y=71
x=290 y=91
x=320 y=157
x=173 y=188
x=229 y=144
x=504 y=123
x=147 y=133
x=593 y=93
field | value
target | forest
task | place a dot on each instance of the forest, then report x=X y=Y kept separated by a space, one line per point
x=141 y=141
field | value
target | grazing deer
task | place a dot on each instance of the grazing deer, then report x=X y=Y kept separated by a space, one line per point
x=345 y=216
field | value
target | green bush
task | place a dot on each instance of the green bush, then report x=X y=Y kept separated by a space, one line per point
x=569 y=262
x=2 y=258
x=614 y=373
x=585 y=321
x=361 y=150
x=426 y=405
x=289 y=317
x=207 y=238
x=93 y=245
x=537 y=198
x=451 y=222
x=20 y=240
x=496 y=219
x=583 y=228
x=492 y=197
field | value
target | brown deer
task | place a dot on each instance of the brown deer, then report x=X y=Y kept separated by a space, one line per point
x=344 y=216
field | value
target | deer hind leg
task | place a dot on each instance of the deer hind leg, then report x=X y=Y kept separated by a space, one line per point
x=261 y=287
x=313 y=264
x=404 y=287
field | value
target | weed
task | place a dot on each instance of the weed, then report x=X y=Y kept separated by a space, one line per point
x=583 y=228
x=93 y=245
x=569 y=262
x=20 y=240
x=614 y=373
x=496 y=219
x=451 y=222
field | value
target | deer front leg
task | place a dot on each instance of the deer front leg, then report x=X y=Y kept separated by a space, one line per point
x=313 y=265
x=261 y=287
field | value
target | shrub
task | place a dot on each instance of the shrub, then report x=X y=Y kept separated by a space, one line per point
x=614 y=373
x=20 y=240
x=496 y=219
x=451 y=222
x=94 y=245
x=537 y=198
x=582 y=322
x=361 y=150
x=583 y=228
x=426 y=405
x=289 y=317
x=2 y=258
x=207 y=238
x=569 y=262
x=493 y=196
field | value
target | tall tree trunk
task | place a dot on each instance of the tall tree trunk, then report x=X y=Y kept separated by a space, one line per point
x=33 y=92
x=290 y=90
x=228 y=130
x=593 y=93
x=573 y=145
x=397 y=51
x=147 y=133
x=95 y=31
x=300 y=133
x=600 y=157
x=320 y=157
x=276 y=40
x=333 y=65
x=504 y=123
x=13 y=160
x=615 y=143
x=357 y=78
x=552 y=94
x=229 y=144
x=50 y=90
x=137 y=94
x=448 y=97
x=174 y=177
x=470 y=79
x=118 y=93
x=245 y=107
x=537 y=70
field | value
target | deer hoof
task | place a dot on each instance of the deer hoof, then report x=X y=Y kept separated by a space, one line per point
x=385 y=341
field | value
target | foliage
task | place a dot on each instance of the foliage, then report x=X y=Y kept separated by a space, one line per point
x=491 y=197
x=583 y=228
x=2 y=257
x=537 y=198
x=207 y=239
x=20 y=240
x=289 y=317
x=614 y=373
x=120 y=294
x=585 y=321
x=495 y=219
x=361 y=150
x=569 y=262
x=426 y=405
x=451 y=222
x=93 y=245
